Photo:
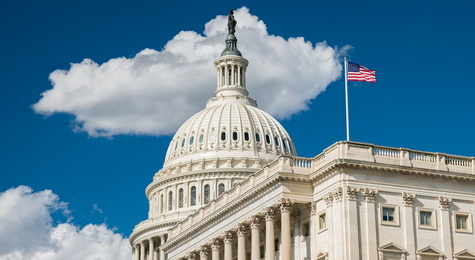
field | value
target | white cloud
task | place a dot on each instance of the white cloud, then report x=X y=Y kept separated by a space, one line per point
x=154 y=92
x=27 y=231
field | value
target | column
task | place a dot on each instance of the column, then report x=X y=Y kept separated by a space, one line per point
x=135 y=252
x=445 y=235
x=297 y=235
x=241 y=235
x=270 y=243
x=142 y=250
x=162 y=241
x=255 y=239
x=228 y=246
x=313 y=230
x=150 y=249
x=215 y=246
x=408 y=223
x=285 y=206
x=351 y=232
x=371 y=251
x=204 y=252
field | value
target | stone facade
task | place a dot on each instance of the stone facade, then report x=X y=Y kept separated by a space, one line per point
x=232 y=188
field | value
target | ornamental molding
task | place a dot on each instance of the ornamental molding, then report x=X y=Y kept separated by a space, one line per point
x=444 y=202
x=408 y=199
x=370 y=194
x=337 y=194
x=351 y=192
x=328 y=199
x=142 y=230
x=312 y=207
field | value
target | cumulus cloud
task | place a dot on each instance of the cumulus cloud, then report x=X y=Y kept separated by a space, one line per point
x=154 y=92
x=27 y=231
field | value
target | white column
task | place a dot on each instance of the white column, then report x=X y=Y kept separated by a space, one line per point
x=255 y=239
x=371 y=250
x=241 y=235
x=285 y=206
x=270 y=242
x=445 y=235
x=351 y=216
x=233 y=79
x=408 y=224
x=297 y=235
x=215 y=246
x=228 y=246
x=204 y=252
x=239 y=75
x=150 y=249
x=313 y=230
x=162 y=241
x=142 y=250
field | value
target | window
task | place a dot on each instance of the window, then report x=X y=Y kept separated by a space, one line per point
x=201 y=138
x=176 y=145
x=389 y=215
x=223 y=136
x=206 y=193
x=183 y=142
x=276 y=141
x=267 y=139
x=211 y=137
x=322 y=221
x=220 y=189
x=426 y=218
x=258 y=137
x=193 y=196
x=246 y=136
x=462 y=222
x=235 y=136
x=192 y=138
x=284 y=144
x=180 y=198
x=170 y=200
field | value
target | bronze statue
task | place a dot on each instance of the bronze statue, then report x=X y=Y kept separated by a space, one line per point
x=231 y=22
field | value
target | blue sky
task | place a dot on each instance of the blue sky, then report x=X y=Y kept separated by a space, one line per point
x=423 y=99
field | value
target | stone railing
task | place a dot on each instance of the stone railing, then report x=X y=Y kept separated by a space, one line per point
x=395 y=156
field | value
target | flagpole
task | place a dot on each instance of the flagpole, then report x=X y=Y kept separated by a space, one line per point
x=346 y=102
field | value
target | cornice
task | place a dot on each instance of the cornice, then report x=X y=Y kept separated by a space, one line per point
x=142 y=230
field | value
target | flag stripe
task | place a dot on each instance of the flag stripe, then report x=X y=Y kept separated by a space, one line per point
x=357 y=72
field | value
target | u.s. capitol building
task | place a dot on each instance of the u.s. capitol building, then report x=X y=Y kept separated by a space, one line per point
x=232 y=187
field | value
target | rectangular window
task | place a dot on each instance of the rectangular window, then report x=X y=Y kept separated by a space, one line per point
x=462 y=222
x=425 y=218
x=388 y=214
x=322 y=221
x=306 y=229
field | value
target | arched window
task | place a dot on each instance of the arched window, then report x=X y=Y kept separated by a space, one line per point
x=276 y=141
x=223 y=136
x=183 y=142
x=235 y=136
x=258 y=137
x=246 y=136
x=170 y=200
x=193 y=196
x=180 y=198
x=201 y=138
x=207 y=196
x=220 y=189
x=267 y=139
x=192 y=138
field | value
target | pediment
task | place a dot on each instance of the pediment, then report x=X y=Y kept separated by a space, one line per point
x=465 y=254
x=322 y=255
x=429 y=251
x=392 y=247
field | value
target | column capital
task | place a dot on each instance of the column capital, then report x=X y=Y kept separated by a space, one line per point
x=192 y=256
x=312 y=207
x=408 y=199
x=337 y=194
x=255 y=222
x=269 y=214
x=370 y=194
x=351 y=193
x=285 y=205
x=228 y=237
x=204 y=251
x=328 y=199
x=241 y=230
x=215 y=244
x=444 y=202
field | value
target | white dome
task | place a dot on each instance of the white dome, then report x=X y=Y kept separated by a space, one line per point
x=229 y=127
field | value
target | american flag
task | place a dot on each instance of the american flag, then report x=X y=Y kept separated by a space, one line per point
x=357 y=72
